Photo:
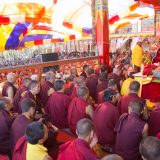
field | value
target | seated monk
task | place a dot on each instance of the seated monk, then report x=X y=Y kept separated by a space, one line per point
x=80 y=148
x=149 y=148
x=157 y=58
x=125 y=86
x=130 y=130
x=91 y=83
x=105 y=118
x=154 y=126
x=6 y=120
x=102 y=82
x=79 y=108
x=57 y=106
x=32 y=93
x=28 y=108
x=47 y=88
x=9 y=90
x=112 y=85
x=84 y=73
x=112 y=157
x=30 y=146
x=23 y=88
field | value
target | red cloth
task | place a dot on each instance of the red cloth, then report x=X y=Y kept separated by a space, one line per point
x=57 y=109
x=124 y=101
x=71 y=90
x=6 y=121
x=76 y=150
x=101 y=97
x=129 y=135
x=154 y=125
x=76 y=111
x=18 y=97
x=20 y=149
x=105 y=118
x=44 y=91
x=102 y=85
x=151 y=91
x=91 y=83
x=148 y=69
x=20 y=124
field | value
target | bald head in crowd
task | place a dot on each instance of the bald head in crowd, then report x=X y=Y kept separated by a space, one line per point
x=83 y=92
x=112 y=157
x=49 y=76
x=80 y=81
x=134 y=87
x=26 y=81
x=84 y=127
x=11 y=77
x=150 y=148
x=73 y=71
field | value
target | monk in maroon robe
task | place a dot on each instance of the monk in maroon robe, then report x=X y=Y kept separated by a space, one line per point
x=130 y=130
x=80 y=148
x=154 y=125
x=28 y=107
x=105 y=118
x=47 y=88
x=84 y=73
x=102 y=82
x=157 y=58
x=57 y=106
x=91 y=83
x=6 y=120
x=23 y=88
x=32 y=93
x=79 y=108
x=9 y=90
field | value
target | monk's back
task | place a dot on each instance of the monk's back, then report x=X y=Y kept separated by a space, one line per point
x=129 y=137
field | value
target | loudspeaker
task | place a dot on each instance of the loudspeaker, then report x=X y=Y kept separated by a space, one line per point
x=49 y=57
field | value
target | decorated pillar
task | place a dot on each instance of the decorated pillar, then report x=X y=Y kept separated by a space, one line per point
x=102 y=30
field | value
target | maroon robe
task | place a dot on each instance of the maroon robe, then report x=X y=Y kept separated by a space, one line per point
x=18 y=129
x=44 y=91
x=76 y=150
x=71 y=90
x=28 y=94
x=124 y=102
x=102 y=85
x=5 y=88
x=76 y=111
x=20 y=149
x=154 y=125
x=6 y=120
x=116 y=78
x=91 y=83
x=57 y=109
x=18 y=97
x=83 y=74
x=129 y=135
x=101 y=97
x=105 y=118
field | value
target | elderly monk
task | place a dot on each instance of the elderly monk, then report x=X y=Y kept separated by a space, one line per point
x=34 y=89
x=112 y=157
x=80 y=148
x=23 y=88
x=102 y=82
x=79 y=108
x=30 y=146
x=105 y=118
x=9 y=90
x=28 y=108
x=91 y=83
x=149 y=148
x=112 y=85
x=137 y=54
x=47 y=88
x=130 y=130
x=6 y=120
x=84 y=73
x=125 y=86
x=57 y=105
x=154 y=126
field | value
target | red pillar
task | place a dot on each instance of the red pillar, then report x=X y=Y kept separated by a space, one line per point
x=102 y=30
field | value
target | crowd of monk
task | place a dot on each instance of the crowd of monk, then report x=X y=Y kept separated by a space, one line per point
x=93 y=107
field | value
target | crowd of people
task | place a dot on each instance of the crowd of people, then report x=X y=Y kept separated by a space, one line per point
x=97 y=109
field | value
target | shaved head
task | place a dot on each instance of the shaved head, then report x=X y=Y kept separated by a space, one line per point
x=11 y=77
x=49 y=76
x=73 y=71
x=26 y=81
x=112 y=157
x=137 y=106
x=80 y=81
x=84 y=127
x=82 y=92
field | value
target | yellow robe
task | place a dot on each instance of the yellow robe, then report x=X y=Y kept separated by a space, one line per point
x=137 y=54
x=125 y=86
